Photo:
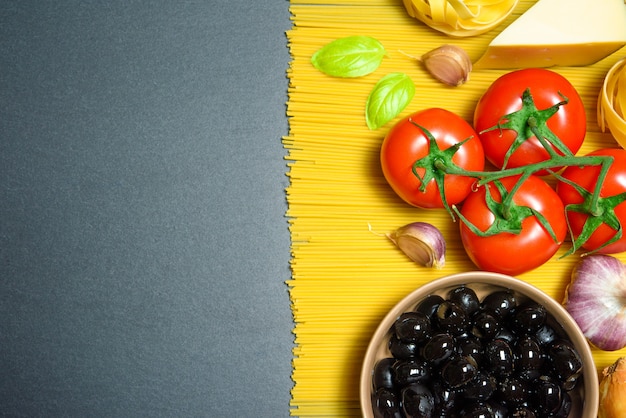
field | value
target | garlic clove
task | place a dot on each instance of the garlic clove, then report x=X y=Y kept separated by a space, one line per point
x=421 y=242
x=613 y=390
x=449 y=64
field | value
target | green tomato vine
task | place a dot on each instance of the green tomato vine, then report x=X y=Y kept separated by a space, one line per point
x=527 y=122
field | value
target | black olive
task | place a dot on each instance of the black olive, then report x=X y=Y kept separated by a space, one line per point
x=469 y=345
x=412 y=326
x=571 y=382
x=477 y=410
x=566 y=361
x=438 y=348
x=529 y=355
x=499 y=410
x=386 y=404
x=513 y=391
x=566 y=406
x=383 y=373
x=485 y=324
x=507 y=335
x=499 y=357
x=452 y=318
x=529 y=318
x=466 y=298
x=501 y=302
x=523 y=412
x=429 y=305
x=403 y=350
x=418 y=401
x=503 y=360
x=457 y=371
x=550 y=332
x=481 y=387
x=549 y=395
x=406 y=372
x=530 y=375
x=445 y=397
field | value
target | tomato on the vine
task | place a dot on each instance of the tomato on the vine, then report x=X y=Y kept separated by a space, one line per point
x=535 y=220
x=596 y=225
x=437 y=134
x=523 y=103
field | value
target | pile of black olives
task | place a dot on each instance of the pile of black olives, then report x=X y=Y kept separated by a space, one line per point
x=463 y=357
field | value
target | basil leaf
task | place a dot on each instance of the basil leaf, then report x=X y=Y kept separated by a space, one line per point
x=354 y=56
x=389 y=97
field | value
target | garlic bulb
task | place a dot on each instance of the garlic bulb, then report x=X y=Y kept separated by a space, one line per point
x=596 y=299
x=449 y=64
x=613 y=390
x=422 y=243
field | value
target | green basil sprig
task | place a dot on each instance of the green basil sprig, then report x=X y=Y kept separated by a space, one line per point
x=389 y=97
x=353 y=56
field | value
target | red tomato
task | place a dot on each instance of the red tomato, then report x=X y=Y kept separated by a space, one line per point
x=504 y=97
x=614 y=184
x=506 y=252
x=406 y=143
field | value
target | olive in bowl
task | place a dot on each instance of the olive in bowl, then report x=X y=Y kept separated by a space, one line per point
x=478 y=344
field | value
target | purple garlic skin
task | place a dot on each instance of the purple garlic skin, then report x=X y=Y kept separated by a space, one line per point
x=421 y=242
x=596 y=299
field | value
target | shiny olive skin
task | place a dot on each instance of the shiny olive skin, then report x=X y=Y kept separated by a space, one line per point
x=439 y=348
x=382 y=376
x=403 y=349
x=549 y=395
x=499 y=410
x=513 y=391
x=507 y=335
x=486 y=325
x=477 y=410
x=566 y=360
x=481 y=387
x=451 y=317
x=458 y=371
x=548 y=333
x=386 y=404
x=528 y=319
x=529 y=354
x=417 y=401
x=429 y=305
x=499 y=356
x=566 y=406
x=413 y=326
x=406 y=372
x=501 y=302
x=469 y=345
x=445 y=397
x=523 y=412
x=466 y=298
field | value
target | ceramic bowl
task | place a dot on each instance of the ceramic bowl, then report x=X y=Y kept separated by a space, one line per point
x=585 y=396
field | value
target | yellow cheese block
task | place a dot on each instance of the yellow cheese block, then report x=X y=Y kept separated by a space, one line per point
x=559 y=32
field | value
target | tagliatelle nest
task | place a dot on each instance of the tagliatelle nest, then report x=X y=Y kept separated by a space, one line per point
x=612 y=103
x=460 y=18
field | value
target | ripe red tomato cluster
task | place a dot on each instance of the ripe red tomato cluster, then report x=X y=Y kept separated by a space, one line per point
x=514 y=223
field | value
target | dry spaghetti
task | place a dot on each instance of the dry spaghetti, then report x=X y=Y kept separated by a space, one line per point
x=345 y=274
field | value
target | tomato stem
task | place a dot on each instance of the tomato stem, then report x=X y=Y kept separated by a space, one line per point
x=438 y=163
x=528 y=122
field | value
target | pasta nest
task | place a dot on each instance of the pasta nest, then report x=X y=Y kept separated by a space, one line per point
x=460 y=18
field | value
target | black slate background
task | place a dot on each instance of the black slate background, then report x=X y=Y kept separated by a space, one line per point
x=143 y=239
